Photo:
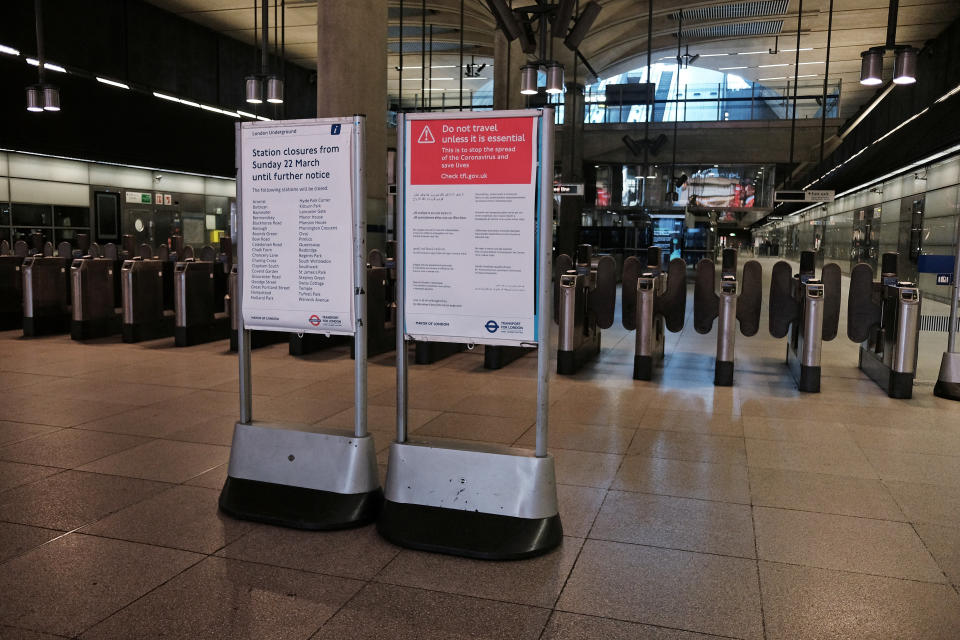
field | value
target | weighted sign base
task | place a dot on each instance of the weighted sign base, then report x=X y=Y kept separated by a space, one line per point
x=896 y=384
x=474 y=500
x=948 y=382
x=723 y=374
x=301 y=476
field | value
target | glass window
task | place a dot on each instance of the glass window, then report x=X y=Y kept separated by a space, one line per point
x=71 y=216
x=32 y=215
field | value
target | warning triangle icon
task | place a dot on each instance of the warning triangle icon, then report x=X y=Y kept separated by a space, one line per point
x=426 y=136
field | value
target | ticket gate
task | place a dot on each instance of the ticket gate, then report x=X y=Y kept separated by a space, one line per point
x=728 y=307
x=199 y=314
x=146 y=314
x=584 y=301
x=11 y=286
x=94 y=298
x=258 y=338
x=653 y=300
x=46 y=294
x=884 y=317
x=806 y=311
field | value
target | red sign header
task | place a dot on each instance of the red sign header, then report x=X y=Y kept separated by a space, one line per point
x=472 y=151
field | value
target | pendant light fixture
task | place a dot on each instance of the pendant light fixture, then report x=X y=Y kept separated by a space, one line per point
x=264 y=85
x=905 y=60
x=555 y=78
x=905 y=66
x=871 y=67
x=528 y=79
x=41 y=96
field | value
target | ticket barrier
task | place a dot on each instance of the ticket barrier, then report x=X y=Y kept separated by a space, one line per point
x=653 y=300
x=199 y=314
x=884 y=317
x=806 y=311
x=727 y=308
x=11 y=285
x=93 y=297
x=258 y=338
x=46 y=293
x=584 y=301
x=146 y=313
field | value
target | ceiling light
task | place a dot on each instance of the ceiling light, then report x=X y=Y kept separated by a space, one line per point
x=777 y=78
x=871 y=67
x=476 y=78
x=252 y=116
x=801 y=49
x=8 y=50
x=820 y=62
x=46 y=65
x=713 y=55
x=730 y=68
x=51 y=98
x=528 y=80
x=112 y=83
x=264 y=119
x=189 y=103
x=254 y=91
x=905 y=66
x=164 y=96
x=750 y=53
x=555 y=78
x=764 y=66
x=34 y=100
x=274 y=90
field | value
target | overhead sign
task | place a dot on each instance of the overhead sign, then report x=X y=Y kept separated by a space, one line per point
x=568 y=188
x=807 y=195
x=930 y=263
x=470 y=227
x=297 y=225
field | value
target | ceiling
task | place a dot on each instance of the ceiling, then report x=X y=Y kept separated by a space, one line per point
x=729 y=36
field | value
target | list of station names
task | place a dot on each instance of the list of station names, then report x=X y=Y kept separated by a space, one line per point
x=298 y=227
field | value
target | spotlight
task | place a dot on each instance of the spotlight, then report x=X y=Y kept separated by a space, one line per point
x=51 y=98
x=254 y=90
x=871 y=67
x=528 y=79
x=905 y=66
x=555 y=78
x=34 y=100
x=274 y=90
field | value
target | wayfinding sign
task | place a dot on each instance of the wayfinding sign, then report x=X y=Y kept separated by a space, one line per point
x=470 y=197
x=298 y=214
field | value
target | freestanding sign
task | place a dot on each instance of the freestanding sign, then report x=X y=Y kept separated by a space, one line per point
x=297 y=196
x=301 y=247
x=470 y=228
x=473 y=265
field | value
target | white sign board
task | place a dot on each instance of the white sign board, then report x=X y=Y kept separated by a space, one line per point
x=298 y=225
x=470 y=228
x=819 y=195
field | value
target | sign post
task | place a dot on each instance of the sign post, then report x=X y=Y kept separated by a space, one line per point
x=473 y=265
x=301 y=245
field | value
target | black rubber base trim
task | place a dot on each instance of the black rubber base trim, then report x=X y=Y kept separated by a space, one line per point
x=310 y=342
x=297 y=507
x=642 y=367
x=430 y=352
x=201 y=333
x=900 y=385
x=809 y=380
x=468 y=533
x=11 y=320
x=147 y=331
x=948 y=390
x=569 y=362
x=46 y=325
x=96 y=328
x=566 y=362
x=897 y=385
x=498 y=356
x=723 y=374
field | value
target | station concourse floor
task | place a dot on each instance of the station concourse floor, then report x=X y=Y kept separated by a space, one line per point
x=689 y=511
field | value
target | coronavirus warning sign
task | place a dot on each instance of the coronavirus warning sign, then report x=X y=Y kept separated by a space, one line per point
x=474 y=151
x=470 y=228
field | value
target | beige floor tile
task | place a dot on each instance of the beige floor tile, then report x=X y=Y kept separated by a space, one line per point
x=797 y=430
x=16 y=539
x=11 y=432
x=351 y=553
x=463 y=426
x=676 y=523
x=163 y=460
x=73 y=582
x=915 y=467
x=578 y=508
x=912 y=440
x=927 y=503
x=212 y=479
x=15 y=474
x=182 y=517
x=678 y=589
x=216 y=430
x=571 y=626
x=71 y=499
x=301 y=410
x=824 y=493
x=13 y=633
x=586 y=469
x=944 y=544
x=231 y=600
x=615 y=407
x=500 y=404
x=877 y=547
x=381 y=419
x=388 y=612
x=830 y=458
x=692 y=421
x=68 y=448
x=535 y=582
x=803 y=602
x=155 y=421
x=695 y=447
x=681 y=478
x=21 y=406
x=581 y=437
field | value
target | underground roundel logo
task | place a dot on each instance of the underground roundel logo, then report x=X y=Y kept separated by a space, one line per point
x=315 y=320
x=492 y=326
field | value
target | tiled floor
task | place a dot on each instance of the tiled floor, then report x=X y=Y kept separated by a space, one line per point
x=689 y=511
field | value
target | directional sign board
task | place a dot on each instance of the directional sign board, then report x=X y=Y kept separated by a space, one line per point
x=568 y=188
x=298 y=225
x=807 y=195
x=470 y=196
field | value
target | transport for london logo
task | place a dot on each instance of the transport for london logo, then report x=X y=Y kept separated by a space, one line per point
x=492 y=326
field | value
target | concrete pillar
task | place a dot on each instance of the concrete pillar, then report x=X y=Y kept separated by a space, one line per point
x=571 y=168
x=507 y=60
x=352 y=78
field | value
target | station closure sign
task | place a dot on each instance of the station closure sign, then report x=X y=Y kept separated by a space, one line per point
x=297 y=225
x=470 y=190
